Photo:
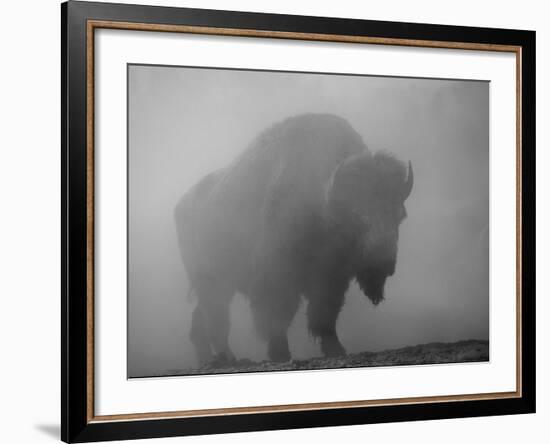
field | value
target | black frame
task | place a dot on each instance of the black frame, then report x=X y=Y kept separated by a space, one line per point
x=75 y=424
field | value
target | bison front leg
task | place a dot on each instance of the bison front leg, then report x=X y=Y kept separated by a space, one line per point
x=324 y=305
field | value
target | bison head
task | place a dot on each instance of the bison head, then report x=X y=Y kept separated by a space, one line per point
x=365 y=201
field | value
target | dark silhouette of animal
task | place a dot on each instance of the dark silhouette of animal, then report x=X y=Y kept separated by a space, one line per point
x=303 y=211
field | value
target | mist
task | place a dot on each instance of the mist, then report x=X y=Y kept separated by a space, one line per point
x=186 y=122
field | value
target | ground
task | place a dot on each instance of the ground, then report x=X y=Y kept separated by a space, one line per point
x=433 y=353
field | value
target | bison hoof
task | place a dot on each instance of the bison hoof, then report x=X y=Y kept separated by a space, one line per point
x=332 y=348
x=278 y=352
x=222 y=359
x=279 y=357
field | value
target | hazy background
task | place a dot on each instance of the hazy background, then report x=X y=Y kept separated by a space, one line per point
x=186 y=122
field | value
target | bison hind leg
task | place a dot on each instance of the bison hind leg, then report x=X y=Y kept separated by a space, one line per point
x=199 y=337
x=211 y=324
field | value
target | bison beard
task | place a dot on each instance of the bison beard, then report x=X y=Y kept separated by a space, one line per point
x=372 y=282
x=284 y=221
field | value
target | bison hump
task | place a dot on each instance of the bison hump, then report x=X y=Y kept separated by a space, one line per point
x=299 y=151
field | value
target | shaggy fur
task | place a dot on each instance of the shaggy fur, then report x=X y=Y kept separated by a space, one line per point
x=302 y=211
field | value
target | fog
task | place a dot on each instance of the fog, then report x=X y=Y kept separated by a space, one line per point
x=187 y=122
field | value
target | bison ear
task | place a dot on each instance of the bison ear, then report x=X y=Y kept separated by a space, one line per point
x=409 y=181
x=346 y=174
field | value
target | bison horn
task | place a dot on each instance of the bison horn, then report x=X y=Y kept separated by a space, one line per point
x=409 y=182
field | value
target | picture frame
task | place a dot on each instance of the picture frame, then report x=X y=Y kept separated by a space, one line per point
x=80 y=21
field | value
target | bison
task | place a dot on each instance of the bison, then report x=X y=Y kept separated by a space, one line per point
x=303 y=211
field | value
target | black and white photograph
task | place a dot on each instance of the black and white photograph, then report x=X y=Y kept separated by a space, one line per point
x=297 y=221
x=277 y=221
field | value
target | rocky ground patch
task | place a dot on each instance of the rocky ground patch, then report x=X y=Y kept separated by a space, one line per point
x=433 y=353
